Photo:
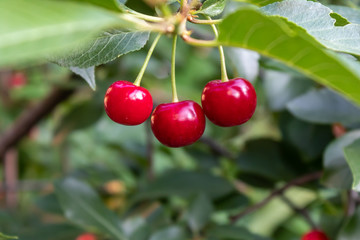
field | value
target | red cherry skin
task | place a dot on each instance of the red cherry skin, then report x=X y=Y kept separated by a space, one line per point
x=229 y=103
x=86 y=236
x=178 y=124
x=315 y=235
x=128 y=104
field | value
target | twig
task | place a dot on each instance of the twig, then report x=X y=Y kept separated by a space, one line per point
x=217 y=148
x=301 y=211
x=31 y=117
x=299 y=181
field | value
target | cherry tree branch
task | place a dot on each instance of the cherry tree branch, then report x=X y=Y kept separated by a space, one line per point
x=298 y=181
x=30 y=117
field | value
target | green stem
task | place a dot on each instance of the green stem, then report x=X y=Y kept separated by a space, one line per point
x=200 y=21
x=173 y=81
x=224 y=76
x=147 y=59
x=146 y=17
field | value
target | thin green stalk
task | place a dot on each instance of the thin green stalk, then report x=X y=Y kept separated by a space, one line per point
x=224 y=76
x=147 y=59
x=173 y=80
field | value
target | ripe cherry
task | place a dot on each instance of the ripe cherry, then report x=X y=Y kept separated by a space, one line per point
x=178 y=124
x=315 y=235
x=86 y=236
x=229 y=103
x=128 y=104
x=17 y=80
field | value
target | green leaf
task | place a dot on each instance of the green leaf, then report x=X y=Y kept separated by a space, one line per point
x=272 y=37
x=82 y=206
x=325 y=107
x=229 y=232
x=105 y=48
x=185 y=183
x=351 y=14
x=112 y=5
x=199 y=213
x=337 y=173
x=4 y=237
x=319 y=23
x=352 y=156
x=42 y=27
x=259 y=3
x=88 y=74
x=212 y=7
x=170 y=233
x=253 y=161
x=351 y=228
x=281 y=87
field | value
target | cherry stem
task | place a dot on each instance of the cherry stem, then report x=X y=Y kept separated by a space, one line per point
x=173 y=61
x=145 y=17
x=147 y=59
x=224 y=76
x=201 y=21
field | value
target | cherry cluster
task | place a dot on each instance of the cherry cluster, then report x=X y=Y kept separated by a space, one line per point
x=181 y=123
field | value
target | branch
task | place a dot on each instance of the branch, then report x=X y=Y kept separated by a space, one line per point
x=30 y=117
x=299 y=181
x=217 y=148
x=300 y=211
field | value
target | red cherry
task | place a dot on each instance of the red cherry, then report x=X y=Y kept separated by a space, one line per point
x=178 y=124
x=315 y=235
x=128 y=104
x=86 y=236
x=229 y=103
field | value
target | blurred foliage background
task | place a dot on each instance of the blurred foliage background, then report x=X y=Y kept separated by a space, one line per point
x=77 y=171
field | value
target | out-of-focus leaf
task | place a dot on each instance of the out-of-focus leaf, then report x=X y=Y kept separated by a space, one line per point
x=310 y=139
x=319 y=24
x=337 y=172
x=324 y=106
x=212 y=7
x=88 y=74
x=199 y=213
x=352 y=156
x=44 y=27
x=49 y=203
x=105 y=48
x=271 y=162
x=272 y=36
x=351 y=14
x=170 y=233
x=52 y=232
x=112 y=5
x=229 y=232
x=245 y=62
x=82 y=206
x=351 y=228
x=4 y=237
x=80 y=116
x=185 y=183
x=282 y=87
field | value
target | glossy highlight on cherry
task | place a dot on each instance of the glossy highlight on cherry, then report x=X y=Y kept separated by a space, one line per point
x=229 y=103
x=128 y=104
x=178 y=124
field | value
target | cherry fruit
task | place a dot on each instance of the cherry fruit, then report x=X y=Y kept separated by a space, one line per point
x=315 y=235
x=128 y=104
x=86 y=236
x=178 y=124
x=229 y=103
